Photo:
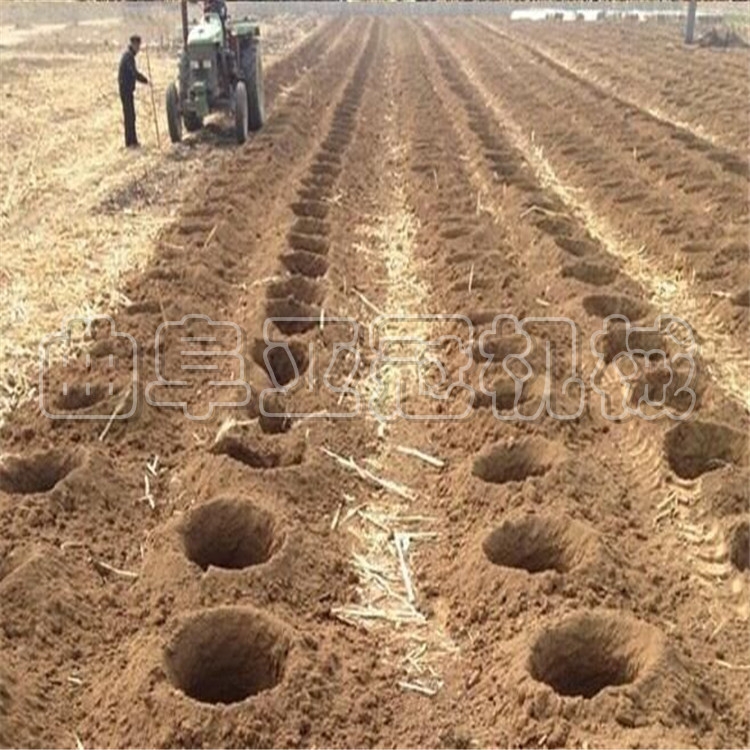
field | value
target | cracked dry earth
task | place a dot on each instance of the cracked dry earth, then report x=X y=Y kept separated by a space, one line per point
x=358 y=578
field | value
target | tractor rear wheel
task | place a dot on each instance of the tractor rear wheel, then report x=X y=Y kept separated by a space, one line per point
x=251 y=70
x=240 y=112
x=173 y=114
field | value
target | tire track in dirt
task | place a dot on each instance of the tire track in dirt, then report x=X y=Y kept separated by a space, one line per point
x=672 y=291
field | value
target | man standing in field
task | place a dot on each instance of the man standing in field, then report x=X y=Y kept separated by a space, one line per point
x=127 y=77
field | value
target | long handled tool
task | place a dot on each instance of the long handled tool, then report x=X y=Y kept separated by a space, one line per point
x=153 y=99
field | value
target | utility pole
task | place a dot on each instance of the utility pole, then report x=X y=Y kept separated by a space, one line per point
x=690 y=26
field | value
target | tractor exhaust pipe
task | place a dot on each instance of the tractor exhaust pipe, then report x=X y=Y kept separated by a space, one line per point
x=184 y=12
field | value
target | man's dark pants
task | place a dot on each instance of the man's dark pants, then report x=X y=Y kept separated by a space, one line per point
x=128 y=111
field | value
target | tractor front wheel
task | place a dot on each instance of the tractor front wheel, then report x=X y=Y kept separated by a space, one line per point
x=173 y=114
x=240 y=112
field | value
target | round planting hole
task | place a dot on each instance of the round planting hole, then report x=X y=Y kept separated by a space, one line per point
x=501 y=395
x=596 y=274
x=604 y=305
x=227 y=654
x=694 y=448
x=498 y=347
x=310 y=209
x=577 y=247
x=516 y=462
x=308 y=243
x=293 y=316
x=227 y=533
x=675 y=387
x=284 y=361
x=309 y=225
x=305 y=264
x=588 y=652
x=620 y=338
x=39 y=472
x=79 y=397
x=299 y=287
x=739 y=548
x=535 y=544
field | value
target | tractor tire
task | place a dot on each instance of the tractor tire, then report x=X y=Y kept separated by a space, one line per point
x=240 y=113
x=251 y=72
x=173 y=114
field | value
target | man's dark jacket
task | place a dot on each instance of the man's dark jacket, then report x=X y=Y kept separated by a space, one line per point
x=128 y=73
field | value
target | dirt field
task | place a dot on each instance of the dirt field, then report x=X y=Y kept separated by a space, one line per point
x=375 y=558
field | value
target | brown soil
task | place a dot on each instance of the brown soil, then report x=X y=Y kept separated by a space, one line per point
x=238 y=581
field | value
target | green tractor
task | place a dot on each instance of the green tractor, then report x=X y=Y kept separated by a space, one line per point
x=220 y=70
